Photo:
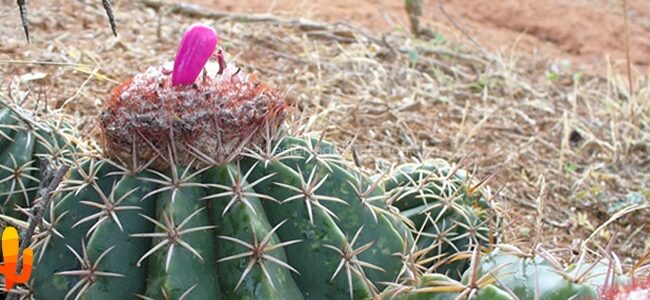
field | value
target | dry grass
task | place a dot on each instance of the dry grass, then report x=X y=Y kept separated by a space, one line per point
x=572 y=142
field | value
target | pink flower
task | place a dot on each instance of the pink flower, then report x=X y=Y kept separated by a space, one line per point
x=194 y=51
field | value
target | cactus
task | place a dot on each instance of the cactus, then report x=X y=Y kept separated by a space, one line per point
x=416 y=285
x=26 y=139
x=206 y=197
x=507 y=272
x=441 y=287
x=531 y=276
x=448 y=215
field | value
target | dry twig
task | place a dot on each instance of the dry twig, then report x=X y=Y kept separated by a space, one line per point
x=49 y=183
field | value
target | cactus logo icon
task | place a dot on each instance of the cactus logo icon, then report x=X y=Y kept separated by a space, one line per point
x=10 y=256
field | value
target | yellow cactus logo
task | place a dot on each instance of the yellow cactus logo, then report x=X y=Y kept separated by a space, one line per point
x=10 y=256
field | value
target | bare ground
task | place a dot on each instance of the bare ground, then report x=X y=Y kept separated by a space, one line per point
x=585 y=32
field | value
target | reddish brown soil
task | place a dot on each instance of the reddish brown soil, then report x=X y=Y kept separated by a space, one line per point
x=583 y=31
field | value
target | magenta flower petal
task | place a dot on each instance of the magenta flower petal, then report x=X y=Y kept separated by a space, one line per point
x=194 y=51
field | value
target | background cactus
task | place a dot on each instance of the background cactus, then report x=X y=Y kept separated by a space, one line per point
x=418 y=285
x=507 y=272
x=531 y=276
x=26 y=138
x=441 y=287
x=449 y=214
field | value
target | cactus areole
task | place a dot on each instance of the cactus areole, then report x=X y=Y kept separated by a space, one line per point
x=209 y=110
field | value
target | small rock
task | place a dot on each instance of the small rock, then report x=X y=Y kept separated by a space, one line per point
x=632 y=198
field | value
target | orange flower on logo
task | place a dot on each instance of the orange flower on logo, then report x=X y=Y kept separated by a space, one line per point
x=10 y=255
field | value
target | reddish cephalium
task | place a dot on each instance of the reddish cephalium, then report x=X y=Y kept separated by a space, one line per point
x=639 y=289
x=206 y=111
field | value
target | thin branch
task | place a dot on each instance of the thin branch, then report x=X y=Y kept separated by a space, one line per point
x=25 y=20
x=23 y=17
x=49 y=183
x=195 y=11
x=462 y=30
x=627 y=49
x=109 y=12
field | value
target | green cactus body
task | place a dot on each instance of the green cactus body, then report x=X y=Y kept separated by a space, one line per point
x=441 y=287
x=250 y=230
x=264 y=272
x=331 y=210
x=109 y=246
x=447 y=216
x=64 y=235
x=22 y=146
x=360 y=205
x=527 y=277
x=185 y=265
x=229 y=219
x=599 y=275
